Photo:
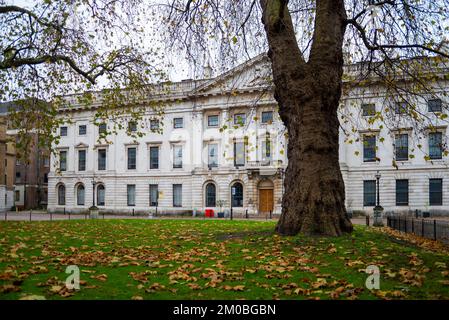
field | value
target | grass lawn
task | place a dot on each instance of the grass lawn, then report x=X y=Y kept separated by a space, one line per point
x=210 y=259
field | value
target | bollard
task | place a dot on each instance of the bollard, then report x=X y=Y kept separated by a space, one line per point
x=133 y=212
x=6 y=215
x=246 y=213
x=413 y=225
x=64 y=210
x=51 y=216
x=69 y=214
x=367 y=220
x=231 y=213
x=30 y=213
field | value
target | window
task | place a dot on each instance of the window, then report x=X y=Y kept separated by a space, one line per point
x=177 y=195
x=46 y=161
x=16 y=195
x=100 y=195
x=240 y=119
x=80 y=195
x=435 y=192
x=434 y=105
x=61 y=195
x=82 y=130
x=369 y=193
x=63 y=160
x=212 y=155
x=63 y=131
x=402 y=192
x=369 y=148
x=210 y=195
x=178 y=123
x=267 y=117
x=102 y=129
x=101 y=159
x=401 y=147
x=81 y=160
x=237 y=195
x=132 y=126
x=18 y=176
x=435 y=145
x=154 y=124
x=400 y=108
x=154 y=157
x=154 y=195
x=239 y=154
x=132 y=158
x=212 y=121
x=266 y=149
x=177 y=156
x=368 y=109
x=131 y=194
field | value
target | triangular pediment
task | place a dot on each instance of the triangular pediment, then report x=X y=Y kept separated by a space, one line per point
x=253 y=74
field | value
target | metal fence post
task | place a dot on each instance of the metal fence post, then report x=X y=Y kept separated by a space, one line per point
x=270 y=215
x=133 y=212
x=69 y=214
x=434 y=229
x=422 y=228
x=367 y=220
x=64 y=210
x=51 y=216
x=231 y=213
x=30 y=213
x=413 y=225
x=6 y=215
x=246 y=213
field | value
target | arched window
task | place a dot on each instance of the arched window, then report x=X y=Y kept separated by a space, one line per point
x=100 y=195
x=80 y=195
x=237 y=195
x=210 y=195
x=61 y=195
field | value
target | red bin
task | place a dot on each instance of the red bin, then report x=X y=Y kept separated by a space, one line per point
x=209 y=212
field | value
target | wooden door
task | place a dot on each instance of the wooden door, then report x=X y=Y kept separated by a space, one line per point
x=265 y=200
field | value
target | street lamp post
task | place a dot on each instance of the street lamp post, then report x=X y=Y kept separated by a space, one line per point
x=378 y=208
x=93 y=211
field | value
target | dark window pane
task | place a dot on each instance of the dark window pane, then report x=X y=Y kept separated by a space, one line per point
x=131 y=194
x=239 y=154
x=435 y=145
x=368 y=109
x=237 y=195
x=210 y=195
x=63 y=131
x=436 y=192
x=369 y=148
x=61 y=195
x=177 y=195
x=100 y=195
x=131 y=158
x=154 y=124
x=81 y=160
x=212 y=121
x=434 y=105
x=63 y=160
x=178 y=123
x=154 y=157
x=132 y=126
x=154 y=195
x=102 y=159
x=369 y=193
x=267 y=116
x=402 y=192
x=401 y=146
x=82 y=129
x=102 y=128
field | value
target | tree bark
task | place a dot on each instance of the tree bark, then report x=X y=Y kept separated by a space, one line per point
x=308 y=95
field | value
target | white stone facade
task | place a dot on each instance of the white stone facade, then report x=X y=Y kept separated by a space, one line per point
x=242 y=90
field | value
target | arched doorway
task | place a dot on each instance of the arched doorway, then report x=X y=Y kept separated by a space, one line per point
x=266 y=196
x=237 y=195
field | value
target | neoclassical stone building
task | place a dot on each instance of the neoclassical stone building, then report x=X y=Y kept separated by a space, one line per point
x=223 y=145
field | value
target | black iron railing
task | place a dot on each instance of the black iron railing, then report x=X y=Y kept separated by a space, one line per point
x=426 y=228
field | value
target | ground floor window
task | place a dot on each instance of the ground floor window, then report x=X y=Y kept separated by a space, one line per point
x=154 y=194
x=369 y=193
x=100 y=195
x=131 y=194
x=402 y=192
x=80 y=195
x=210 y=195
x=177 y=195
x=61 y=195
x=435 y=192
x=237 y=195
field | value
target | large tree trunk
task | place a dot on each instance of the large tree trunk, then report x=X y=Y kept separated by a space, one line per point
x=308 y=94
